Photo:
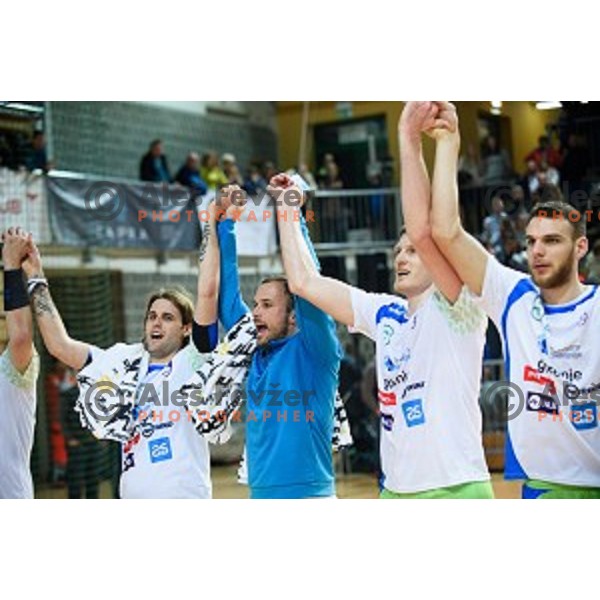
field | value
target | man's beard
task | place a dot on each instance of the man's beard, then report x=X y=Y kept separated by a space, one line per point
x=560 y=277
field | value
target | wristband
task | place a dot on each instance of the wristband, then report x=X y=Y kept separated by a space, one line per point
x=15 y=292
x=34 y=283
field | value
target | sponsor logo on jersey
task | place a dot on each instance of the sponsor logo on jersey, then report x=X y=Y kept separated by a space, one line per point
x=533 y=375
x=387 y=422
x=584 y=416
x=148 y=428
x=413 y=413
x=160 y=450
x=128 y=462
x=573 y=351
x=419 y=385
x=537 y=402
x=390 y=384
x=394 y=363
x=387 y=398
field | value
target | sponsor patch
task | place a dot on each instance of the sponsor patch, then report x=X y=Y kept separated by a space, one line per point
x=537 y=402
x=584 y=416
x=160 y=450
x=387 y=398
x=413 y=413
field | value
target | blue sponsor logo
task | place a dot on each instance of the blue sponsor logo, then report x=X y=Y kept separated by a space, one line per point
x=387 y=421
x=413 y=413
x=160 y=450
x=584 y=416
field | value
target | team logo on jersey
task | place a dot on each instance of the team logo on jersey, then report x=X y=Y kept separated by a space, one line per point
x=537 y=402
x=537 y=309
x=395 y=312
x=393 y=363
x=584 y=416
x=387 y=398
x=387 y=421
x=160 y=450
x=413 y=413
x=388 y=334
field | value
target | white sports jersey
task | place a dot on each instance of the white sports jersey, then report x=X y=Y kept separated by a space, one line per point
x=552 y=353
x=428 y=376
x=168 y=458
x=17 y=422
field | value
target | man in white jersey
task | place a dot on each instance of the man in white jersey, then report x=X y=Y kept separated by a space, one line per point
x=19 y=366
x=166 y=458
x=429 y=344
x=549 y=323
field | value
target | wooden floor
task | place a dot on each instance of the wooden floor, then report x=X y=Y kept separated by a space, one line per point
x=357 y=486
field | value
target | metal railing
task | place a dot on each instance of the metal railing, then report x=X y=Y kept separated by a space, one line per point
x=355 y=219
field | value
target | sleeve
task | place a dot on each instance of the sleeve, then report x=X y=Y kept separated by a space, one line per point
x=365 y=307
x=465 y=315
x=231 y=305
x=317 y=329
x=498 y=284
x=23 y=381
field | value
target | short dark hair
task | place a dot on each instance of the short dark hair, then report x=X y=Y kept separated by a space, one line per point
x=154 y=143
x=283 y=281
x=180 y=298
x=558 y=209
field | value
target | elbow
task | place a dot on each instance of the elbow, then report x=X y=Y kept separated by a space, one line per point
x=445 y=234
x=298 y=283
x=420 y=236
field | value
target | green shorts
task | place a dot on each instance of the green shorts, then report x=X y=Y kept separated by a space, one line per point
x=542 y=490
x=476 y=490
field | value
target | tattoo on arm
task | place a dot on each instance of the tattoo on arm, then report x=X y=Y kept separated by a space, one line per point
x=206 y=232
x=42 y=303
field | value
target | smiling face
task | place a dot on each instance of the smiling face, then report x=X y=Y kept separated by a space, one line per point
x=273 y=312
x=412 y=278
x=553 y=252
x=164 y=331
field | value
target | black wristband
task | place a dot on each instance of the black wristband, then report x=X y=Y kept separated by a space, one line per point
x=15 y=292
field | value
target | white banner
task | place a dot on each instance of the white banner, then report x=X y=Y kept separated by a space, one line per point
x=23 y=203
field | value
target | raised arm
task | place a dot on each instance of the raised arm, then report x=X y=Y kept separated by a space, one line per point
x=205 y=330
x=231 y=304
x=465 y=254
x=19 y=323
x=304 y=279
x=58 y=342
x=418 y=117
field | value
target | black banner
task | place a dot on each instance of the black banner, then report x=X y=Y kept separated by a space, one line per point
x=90 y=212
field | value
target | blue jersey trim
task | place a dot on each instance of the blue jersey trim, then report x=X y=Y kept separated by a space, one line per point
x=512 y=466
x=556 y=310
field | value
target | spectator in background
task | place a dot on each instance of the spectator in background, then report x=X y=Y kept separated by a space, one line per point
x=37 y=158
x=189 y=176
x=493 y=229
x=530 y=182
x=254 y=184
x=153 y=166
x=545 y=153
x=210 y=171
x=548 y=174
x=231 y=169
x=83 y=449
x=269 y=170
x=591 y=267
x=334 y=216
x=495 y=165
x=305 y=173
x=469 y=169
